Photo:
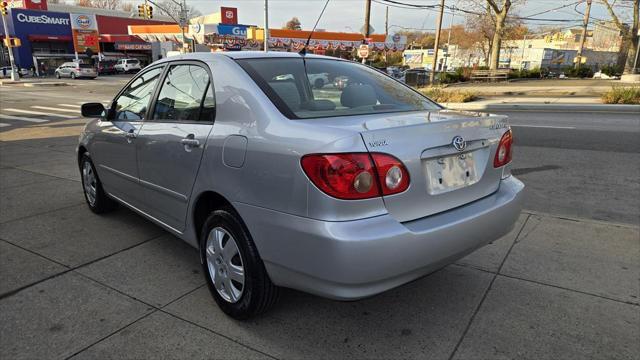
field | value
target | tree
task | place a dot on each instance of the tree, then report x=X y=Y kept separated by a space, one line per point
x=293 y=24
x=630 y=39
x=499 y=15
x=101 y=4
x=171 y=9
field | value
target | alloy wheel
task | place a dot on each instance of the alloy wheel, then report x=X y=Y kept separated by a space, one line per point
x=225 y=264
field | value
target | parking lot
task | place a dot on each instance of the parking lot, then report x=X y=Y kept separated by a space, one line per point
x=564 y=284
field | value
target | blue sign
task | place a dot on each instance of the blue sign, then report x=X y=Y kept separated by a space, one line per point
x=233 y=30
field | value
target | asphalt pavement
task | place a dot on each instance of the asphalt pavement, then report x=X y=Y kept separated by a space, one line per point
x=562 y=285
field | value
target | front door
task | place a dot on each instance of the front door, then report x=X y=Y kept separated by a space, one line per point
x=171 y=143
x=114 y=147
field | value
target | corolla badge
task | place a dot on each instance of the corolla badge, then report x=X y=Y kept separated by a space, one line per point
x=459 y=143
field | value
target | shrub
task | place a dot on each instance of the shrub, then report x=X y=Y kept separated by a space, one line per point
x=450 y=78
x=622 y=95
x=440 y=95
x=611 y=70
x=584 y=72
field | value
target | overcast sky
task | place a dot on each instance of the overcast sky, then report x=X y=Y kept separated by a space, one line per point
x=348 y=15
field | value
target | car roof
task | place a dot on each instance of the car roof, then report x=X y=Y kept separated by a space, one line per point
x=204 y=56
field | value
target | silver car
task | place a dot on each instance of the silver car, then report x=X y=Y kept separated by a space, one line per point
x=340 y=192
x=76 y=70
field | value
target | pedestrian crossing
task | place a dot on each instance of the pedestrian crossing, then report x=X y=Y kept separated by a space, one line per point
x=13 y=116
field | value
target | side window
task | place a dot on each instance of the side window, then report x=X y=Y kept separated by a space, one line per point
x=132 y=103
x=182 y=96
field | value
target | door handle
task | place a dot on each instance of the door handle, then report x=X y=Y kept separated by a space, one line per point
x=190 y=142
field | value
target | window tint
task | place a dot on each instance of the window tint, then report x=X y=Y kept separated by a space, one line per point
x=182 y=93
x=132 y=104
x=323 y=88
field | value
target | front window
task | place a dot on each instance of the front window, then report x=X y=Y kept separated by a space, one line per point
x=132 y=104
x=322 y=88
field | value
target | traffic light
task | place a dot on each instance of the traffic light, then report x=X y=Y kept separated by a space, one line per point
x=5 y=8
x=141 y=11
x=149 y=12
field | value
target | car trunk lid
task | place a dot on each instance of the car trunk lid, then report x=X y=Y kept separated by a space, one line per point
x=442 y=177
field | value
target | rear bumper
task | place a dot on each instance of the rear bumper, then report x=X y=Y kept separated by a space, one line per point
x=355 y=259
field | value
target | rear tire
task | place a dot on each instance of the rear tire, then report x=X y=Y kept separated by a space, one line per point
x=97 y=199
x=318 y=83
x=257 y=293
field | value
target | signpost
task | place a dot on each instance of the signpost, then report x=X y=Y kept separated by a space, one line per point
x=14 y=71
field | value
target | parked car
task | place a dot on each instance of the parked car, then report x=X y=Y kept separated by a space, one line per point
x=128 y=65
x=341 y=82
x=341 y=194
x=415 y=76
x=107 y=67
x=5 y=71
x=601 y=75
x=76 y=70
x=319 y=80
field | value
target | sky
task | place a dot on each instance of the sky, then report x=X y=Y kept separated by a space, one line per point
x=348 y=15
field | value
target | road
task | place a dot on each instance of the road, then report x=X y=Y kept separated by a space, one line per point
x=577 y=164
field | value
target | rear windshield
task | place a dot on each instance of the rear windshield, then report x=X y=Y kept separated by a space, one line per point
x=86 y=66
x=325 y=88
x=132 y=61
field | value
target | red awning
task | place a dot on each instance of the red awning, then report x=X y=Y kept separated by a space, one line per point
x=119 y=38
x=50 y=38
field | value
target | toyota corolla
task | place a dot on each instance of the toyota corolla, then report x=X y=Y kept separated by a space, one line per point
x=340 y=191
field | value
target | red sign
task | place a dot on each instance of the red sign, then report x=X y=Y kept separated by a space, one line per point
x=29 y=4
x=363 y=51
x=228 y=15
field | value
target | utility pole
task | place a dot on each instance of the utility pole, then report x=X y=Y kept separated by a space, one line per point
x=434 y=65
x=266 y=25
x=386 y=35
x=367 y=18
x=453 y=14
x=584 y=35
x=12 y=62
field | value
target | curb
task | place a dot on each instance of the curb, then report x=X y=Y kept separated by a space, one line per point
x=31 y=84
x=545 y=107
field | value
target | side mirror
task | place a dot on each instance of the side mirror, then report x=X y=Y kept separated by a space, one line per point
x=93 y=110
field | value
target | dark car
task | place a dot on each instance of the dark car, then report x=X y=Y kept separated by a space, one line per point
x=106 y=67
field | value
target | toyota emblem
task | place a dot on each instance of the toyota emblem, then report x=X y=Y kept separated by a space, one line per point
x=459 y=143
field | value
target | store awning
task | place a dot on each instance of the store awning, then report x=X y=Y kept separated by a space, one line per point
x=50 y=38
x=120 y=38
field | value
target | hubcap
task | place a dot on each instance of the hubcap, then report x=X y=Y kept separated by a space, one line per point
x=225 y=264
x=89 y=183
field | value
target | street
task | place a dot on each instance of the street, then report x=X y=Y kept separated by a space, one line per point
x=563 y=284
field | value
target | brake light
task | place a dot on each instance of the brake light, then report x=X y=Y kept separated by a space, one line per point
x=392 y=174
x=353 y=176
x=503 y=153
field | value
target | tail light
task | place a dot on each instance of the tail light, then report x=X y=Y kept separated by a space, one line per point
x=504 y=153
x=353 y=176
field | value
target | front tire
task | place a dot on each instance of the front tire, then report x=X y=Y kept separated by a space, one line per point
x=97 y=199
x=57 y=75
x=233 y=269
x=73 y=75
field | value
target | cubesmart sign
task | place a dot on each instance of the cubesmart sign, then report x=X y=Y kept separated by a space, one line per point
x=33 y=23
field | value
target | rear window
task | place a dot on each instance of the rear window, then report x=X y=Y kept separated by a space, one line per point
x=86 y=66
x=132 y=61
x=317 y=88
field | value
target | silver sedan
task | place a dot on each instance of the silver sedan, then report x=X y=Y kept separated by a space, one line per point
x=340 y=191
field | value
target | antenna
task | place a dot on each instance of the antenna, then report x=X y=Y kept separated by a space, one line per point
x=304 y=49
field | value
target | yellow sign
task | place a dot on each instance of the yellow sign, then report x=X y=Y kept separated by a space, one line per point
x=12 y=42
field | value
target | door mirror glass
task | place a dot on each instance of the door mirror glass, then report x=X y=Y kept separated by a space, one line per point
x=93 y=110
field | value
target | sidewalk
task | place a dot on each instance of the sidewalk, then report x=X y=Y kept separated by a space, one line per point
x=34 y=81
x=550 y=103
x=75 y=284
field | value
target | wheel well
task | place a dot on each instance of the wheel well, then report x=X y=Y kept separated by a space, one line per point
x=206 y=203
x=81 y=151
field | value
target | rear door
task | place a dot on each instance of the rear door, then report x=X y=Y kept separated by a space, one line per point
x=172 y=141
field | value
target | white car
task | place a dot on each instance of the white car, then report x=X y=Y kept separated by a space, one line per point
x=601 y=75
x=128 y=65
x=5 y=71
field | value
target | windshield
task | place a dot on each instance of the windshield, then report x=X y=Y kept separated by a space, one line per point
x=331 y=88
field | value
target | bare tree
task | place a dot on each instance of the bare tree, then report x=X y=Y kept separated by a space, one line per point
x=499 y=15
x=101 y=4
x=293 y=24
x=170 y=8
x=489 y=28
x=629 y=44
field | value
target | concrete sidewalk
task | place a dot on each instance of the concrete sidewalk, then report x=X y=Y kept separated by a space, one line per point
x=549 y=103
x=74 y=284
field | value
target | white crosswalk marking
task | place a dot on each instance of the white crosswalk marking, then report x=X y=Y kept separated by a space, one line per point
x=38 y=113
x=54 y=109
x=3 y=125
x=70 y=105
x=20 y=118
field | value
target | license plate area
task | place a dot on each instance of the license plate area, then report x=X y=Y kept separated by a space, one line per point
x=452 y=172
